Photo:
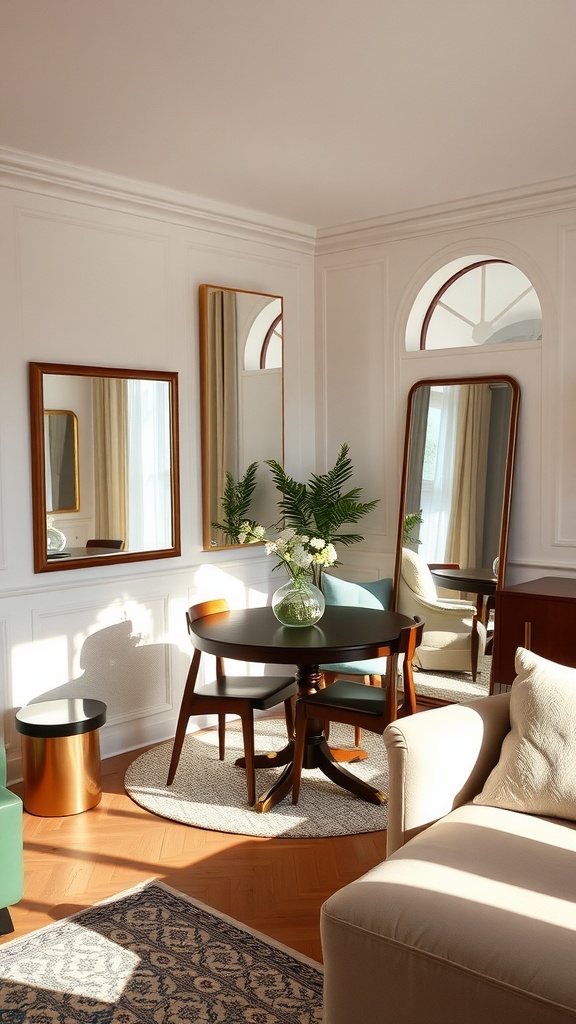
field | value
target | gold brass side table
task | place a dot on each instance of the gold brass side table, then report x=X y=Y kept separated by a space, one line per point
x=61 y=755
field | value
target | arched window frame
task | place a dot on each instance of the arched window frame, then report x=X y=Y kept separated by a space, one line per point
x=420 y=334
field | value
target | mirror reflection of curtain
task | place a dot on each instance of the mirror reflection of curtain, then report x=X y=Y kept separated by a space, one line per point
x=466 y=527
x=149 y=461
x=222 y=399
x=110 y=465
x=437 y=487
x=418 y=428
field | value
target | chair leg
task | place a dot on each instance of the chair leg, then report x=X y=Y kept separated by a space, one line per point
x=474 y=644
x=408 y=706
x=299 y=748
x=327 y=679
x=392 y=688
x=185 y=709
x=248 y=737
x=221 y=736
x=373 y=680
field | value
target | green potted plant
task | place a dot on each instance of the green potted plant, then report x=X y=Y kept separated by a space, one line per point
x=322 y=507
x=236 y=500
x=412 y=520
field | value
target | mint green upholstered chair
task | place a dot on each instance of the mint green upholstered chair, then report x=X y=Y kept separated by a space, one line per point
x=11 y=855
x=376 y=594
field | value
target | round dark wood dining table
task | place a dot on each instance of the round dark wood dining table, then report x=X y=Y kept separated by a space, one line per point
x=342 y=635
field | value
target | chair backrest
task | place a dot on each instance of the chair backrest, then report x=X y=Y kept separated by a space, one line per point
x=212 y=607
x=376 y=594
x=417 y=575
x=411 y=638
x=107 y=543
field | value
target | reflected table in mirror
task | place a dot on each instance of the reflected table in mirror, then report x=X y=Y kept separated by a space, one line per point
x=342 y=634
x=481 y=582
x=90 y=552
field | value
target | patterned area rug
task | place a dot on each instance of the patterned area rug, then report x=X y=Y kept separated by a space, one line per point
x=212 y=794
x=154 y=955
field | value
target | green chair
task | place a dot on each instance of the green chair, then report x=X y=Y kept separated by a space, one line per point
x=376 y=594
x=11 y=849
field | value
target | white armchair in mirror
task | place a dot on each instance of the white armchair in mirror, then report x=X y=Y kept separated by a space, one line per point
x=454 y=639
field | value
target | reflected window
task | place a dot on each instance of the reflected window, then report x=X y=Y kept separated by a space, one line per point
x=263 y=349
x=475 y=301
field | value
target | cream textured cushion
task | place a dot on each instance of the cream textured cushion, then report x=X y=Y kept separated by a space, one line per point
x=445 y=640
x=417 y=575
x=536 y=772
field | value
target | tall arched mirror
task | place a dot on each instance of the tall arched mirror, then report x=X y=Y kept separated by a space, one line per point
x=105 y=475
x=241 y=355
x=457 y=475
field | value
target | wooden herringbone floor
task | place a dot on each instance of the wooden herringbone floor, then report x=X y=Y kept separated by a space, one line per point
x=273 y=885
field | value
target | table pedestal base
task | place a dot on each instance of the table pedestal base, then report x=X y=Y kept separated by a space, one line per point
x=318 y=755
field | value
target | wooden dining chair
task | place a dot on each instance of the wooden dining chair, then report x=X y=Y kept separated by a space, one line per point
x=364 y=707
x=375 y=594
x=230 y=695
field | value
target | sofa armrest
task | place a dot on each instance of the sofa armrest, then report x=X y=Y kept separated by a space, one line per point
x=440 y=759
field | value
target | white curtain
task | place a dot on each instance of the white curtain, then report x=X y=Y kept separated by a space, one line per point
x=434 y=530
x=149 y=465
x=466 y=528
x=109 y=412
x=222 y=396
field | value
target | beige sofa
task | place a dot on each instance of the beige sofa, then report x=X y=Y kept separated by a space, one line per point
x=473 y=915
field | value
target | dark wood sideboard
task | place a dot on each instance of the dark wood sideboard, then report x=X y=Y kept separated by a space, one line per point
x=539 y=615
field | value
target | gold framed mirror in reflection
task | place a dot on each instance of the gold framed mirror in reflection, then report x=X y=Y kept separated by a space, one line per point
x=125 y=426
x=241 y=374
x=61 y=451
x=454 y=514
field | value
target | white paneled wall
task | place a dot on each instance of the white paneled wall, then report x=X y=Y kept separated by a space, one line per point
x=101 y=271
x=366 y=283
x=98 y=277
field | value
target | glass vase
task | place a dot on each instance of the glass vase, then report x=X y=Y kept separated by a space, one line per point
x=55 y=540
x=298 y=603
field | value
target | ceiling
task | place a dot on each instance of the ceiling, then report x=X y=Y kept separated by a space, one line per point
x=324 y=112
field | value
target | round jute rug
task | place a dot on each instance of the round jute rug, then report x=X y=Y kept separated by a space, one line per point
x=210 y=793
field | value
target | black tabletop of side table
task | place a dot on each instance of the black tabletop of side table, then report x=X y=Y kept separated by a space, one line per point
x=71 y=716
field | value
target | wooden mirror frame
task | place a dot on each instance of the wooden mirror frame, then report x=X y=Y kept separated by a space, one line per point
x=37 y=373
x=508 y=470
x=211 y=407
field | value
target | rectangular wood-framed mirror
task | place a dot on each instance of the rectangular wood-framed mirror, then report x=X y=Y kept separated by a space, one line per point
x=126 y=435
x=241 y=390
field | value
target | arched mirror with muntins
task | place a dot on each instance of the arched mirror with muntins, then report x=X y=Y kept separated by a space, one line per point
x=474 y=300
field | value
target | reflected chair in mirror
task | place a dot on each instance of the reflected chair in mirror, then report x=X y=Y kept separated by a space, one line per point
x=454 y=638
x=375 y=594
x=230 y=695
x=116 y=545
x=364 y=707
